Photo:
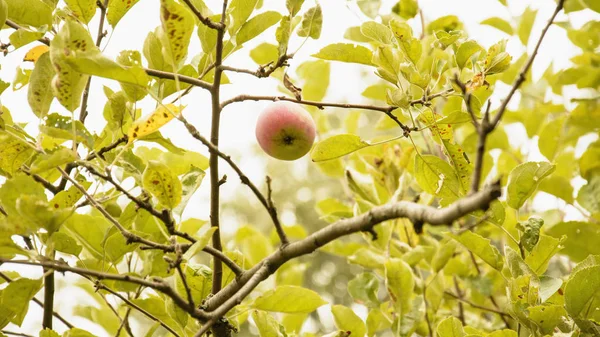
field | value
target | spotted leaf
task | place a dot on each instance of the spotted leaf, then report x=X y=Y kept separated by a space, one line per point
x=154 y=121
x=160 y=181
x=178 y=25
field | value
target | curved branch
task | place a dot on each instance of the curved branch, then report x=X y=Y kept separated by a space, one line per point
x=417 y=213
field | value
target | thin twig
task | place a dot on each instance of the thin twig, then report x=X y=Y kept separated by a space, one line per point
x=6 y=332
x=521 y=77
x=15 y=25
x=206 y=21
x=181 y=78
x=273 y=211
x=188 y=291
x=477 y=306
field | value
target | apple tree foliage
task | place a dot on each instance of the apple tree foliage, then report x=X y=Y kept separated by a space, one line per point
x=431 y=210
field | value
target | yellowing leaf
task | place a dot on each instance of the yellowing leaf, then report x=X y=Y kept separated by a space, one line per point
x=337 y=146
x=160 y=181
x=345 y=319
x=34 y=53
x=84 y=10
x=154 y=121
x=290 y=299
x=178 y=25
x=117 y=9
x=346 y=52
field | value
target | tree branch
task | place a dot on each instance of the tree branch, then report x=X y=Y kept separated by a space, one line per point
x=101 y=34
x=157 y=284
x=215 y=92
x=15 y=25
x=417 y=213
x=462 y=300
x=521 y=78
x=206 y=21
x=273 y=212
x=244 y=179
x=182 y=78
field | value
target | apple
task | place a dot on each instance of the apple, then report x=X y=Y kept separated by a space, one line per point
x=285 y=131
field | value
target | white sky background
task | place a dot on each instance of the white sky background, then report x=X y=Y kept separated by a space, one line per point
x=238 y=120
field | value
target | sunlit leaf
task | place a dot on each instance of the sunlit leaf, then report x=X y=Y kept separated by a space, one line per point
x=524 y=179
x=289 y=299
x=345 y=52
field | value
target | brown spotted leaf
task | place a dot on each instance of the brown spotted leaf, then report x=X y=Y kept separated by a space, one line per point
x=461 y=163
x=154 y=121
x=68 y=84
x=178 y=24
x=39 y=94
x=162 y=183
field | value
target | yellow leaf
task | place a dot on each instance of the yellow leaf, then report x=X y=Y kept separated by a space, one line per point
x=34 y=53
x=154 y=121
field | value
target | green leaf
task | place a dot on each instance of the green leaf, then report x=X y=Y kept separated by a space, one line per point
x=345 y=319
x=466 y=51
x=377 y=32
x=443 y=254
x=498 y=23
x=497 y=59
x=153 y=51
x=132 y=60
x=369 y=7
x=354 y=34
x=450 y=327
x=14 y=152
x=57 y=158
x=590 y=160
x=199 y=280
x=377 y=320
x=158 y=307
x=531 y=232
x=481 y=247
x=523 y=181
x=582 y=239
x=162 y=184
x=239 y=11
x=267 y=325
x=337 y=146
x=64 y=243
x=400 y=283
x=22 y=36
x=559 y=187
x=436 y=177
x=410 y=45
x=264 y=53
x=39 y=94
x=201 y=242
x=3 y=13
x=312 y=22
x=364 y=288
x=588 y=194
x=543 y=251
x=294 y=6
x=526 y=24
x=21 y=78
x=117 y=9
x=190 y=182
x=289 y=299
x=48 y=333
x=255 y=27
x=548 y=287
x=345 y=52
x=582 y=297
x=178 y=25
x=21 y=292
x=548 y=317
x=89 y=231
x=68 y=84
x=61 y=127
x=388 y=60
x=406 y=9
x=75 y=332
x=94 y=63
x=34 y=13
x=282 y=35
x=84 y=10
x=460 y=162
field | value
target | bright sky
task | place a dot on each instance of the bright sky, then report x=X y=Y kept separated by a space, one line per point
x=238 y=119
